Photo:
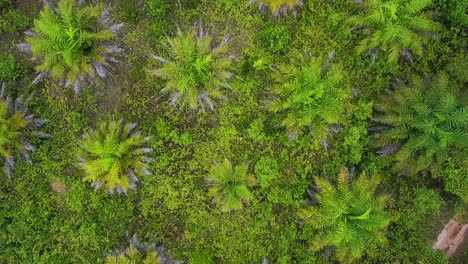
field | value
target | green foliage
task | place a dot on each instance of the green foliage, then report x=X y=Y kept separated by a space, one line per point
x=16 y=128
x=5 y=3
x=349 y=217
x=196 y=70
x=8 y=68
x=256 y=130
x=426 y=125
x=456 y=177
x=356 y=139
x=275 y=38
x=395 y=26
x=311 y=96
x=230 y=186
x=418 y=213
x=134 y=256
x=113 y=156
x=69 y=40
x=456 y=13
x=158 y=10
x=12 y=21
x=267 y=170
x=278 y=6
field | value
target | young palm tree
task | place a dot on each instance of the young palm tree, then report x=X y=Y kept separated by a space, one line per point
x=113 y=155
x=69 y=42
x=196 y=70
x=277 y=7
x=311 y=95
x=423 y=126
x=396 y=26
x=230 y=185
x=136 y=253
x=133 y=256
x=349 y=217
x=16 y=126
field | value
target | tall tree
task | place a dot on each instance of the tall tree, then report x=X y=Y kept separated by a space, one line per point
x=69 y=41
x=16 y=127
x=113 y=156
x=398 y=27
x=311 y=95
x=423 y=125
x=277 y=7
x=348 y=217
x=230 y=185
x=196 y=70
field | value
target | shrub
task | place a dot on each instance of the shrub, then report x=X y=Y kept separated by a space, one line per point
x=267 y=170
x=8 y=68
x=456 y=177
x=275 y=38
x=12 y=21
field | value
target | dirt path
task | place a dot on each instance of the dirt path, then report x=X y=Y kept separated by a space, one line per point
x=453 y=238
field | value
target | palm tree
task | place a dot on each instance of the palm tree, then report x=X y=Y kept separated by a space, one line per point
x=196 y=70
x=133 y=256
x=16 y=127
x=348 y=217
x=397 y=27
x=311 y=95
x=69 y=41
x=136 y=253
x=424 y=125
x=113 y=155
x=277 y=7
x=230 y=186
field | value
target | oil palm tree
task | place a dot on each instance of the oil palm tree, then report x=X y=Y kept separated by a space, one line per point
x=423 y=125
x=277 y=7
x=311 y=95
x=196 y=70
x=348 y=217
x=113 y=156
x=16 y=127
x=136 y=253
x=230 y=185
x=398 y=27
x=69 y=41
x=133 y=256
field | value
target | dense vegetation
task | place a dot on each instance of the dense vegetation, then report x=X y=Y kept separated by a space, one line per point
x=269 y=131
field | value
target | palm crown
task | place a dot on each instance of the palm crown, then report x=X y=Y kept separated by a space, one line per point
x=113 y=155
x=230 y=185
x=16 y=126
x=277 y=6
x=349 y=217
x=133 y=256
x=69 y=42
x=424 y=124
x=311 y=95
x=196 y=70
x=396 y=25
